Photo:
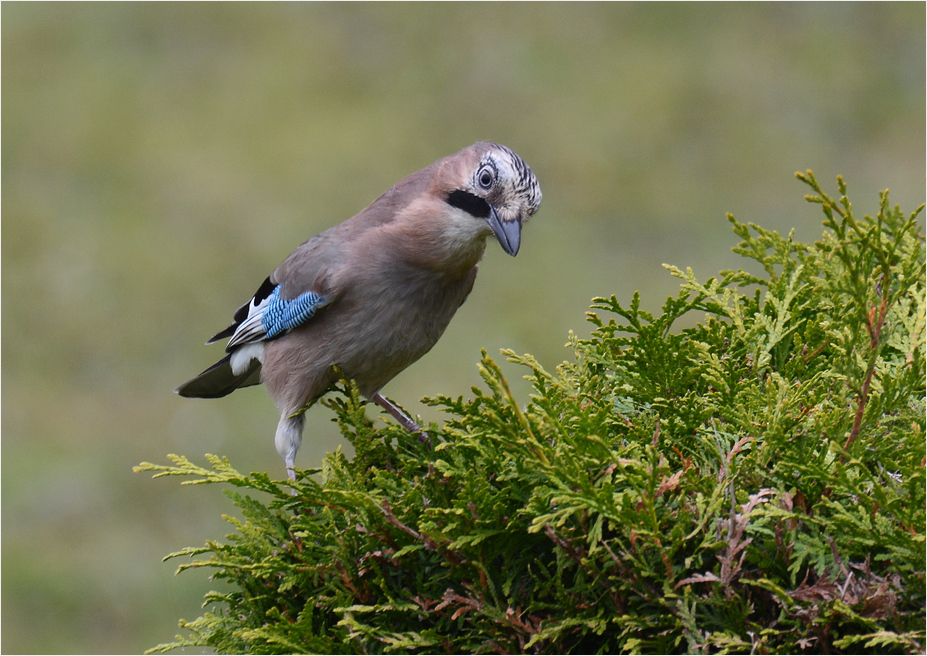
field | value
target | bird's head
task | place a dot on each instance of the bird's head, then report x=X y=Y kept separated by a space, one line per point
x=494 y=185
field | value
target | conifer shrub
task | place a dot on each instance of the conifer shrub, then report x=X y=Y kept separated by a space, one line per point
x=751 y=484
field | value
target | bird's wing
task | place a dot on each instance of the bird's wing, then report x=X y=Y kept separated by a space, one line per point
x=246 y=311
x=275 y=315
x=291 y=295
x=268 y=315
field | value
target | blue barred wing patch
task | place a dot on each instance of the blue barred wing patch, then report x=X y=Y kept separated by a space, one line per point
x=281 y=315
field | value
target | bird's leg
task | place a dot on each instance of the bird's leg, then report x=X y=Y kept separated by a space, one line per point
x=405 y=420
x=288 y=438
x=290 y=463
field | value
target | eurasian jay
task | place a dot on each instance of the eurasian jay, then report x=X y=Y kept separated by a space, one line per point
x=373 y=294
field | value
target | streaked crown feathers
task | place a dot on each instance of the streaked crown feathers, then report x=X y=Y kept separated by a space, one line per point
x=502 y=173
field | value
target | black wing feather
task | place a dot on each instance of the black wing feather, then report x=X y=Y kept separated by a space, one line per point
x=242 y=313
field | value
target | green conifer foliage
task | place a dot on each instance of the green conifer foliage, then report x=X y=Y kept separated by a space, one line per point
x=754 y=484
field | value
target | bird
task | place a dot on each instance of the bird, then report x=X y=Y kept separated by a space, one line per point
x=368 y=297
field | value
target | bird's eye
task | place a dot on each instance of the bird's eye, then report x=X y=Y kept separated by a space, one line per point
x=486 y=177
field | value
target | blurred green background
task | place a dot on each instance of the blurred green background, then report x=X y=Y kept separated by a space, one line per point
x=159 y=160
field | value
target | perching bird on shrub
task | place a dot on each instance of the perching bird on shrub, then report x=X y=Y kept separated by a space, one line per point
x=373 y=294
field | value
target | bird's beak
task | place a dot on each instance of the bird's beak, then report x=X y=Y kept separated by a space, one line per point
x=507 y=232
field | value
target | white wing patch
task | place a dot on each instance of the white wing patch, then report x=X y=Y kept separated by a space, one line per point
x=252 y=328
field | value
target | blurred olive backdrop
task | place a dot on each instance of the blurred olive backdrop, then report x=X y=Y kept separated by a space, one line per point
x=160 y=159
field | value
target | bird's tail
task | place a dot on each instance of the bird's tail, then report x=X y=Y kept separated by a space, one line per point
x=219 y=381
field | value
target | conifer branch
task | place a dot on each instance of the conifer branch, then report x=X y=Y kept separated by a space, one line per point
x=671 y=490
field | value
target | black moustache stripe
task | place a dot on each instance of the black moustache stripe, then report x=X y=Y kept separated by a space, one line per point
x=469 y=203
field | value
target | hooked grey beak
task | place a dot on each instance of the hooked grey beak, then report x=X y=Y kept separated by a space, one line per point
x=507 y=232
